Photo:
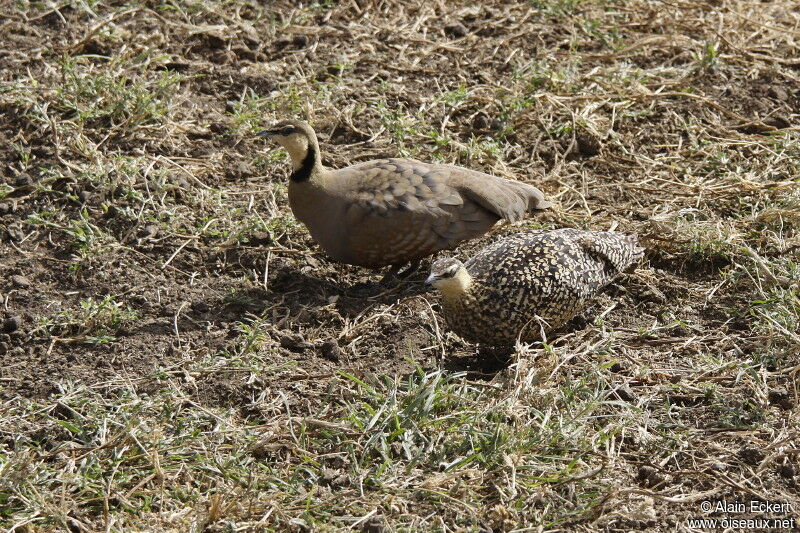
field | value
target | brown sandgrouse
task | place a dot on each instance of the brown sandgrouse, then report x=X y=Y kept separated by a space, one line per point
x=529 y=282
x=394 y=211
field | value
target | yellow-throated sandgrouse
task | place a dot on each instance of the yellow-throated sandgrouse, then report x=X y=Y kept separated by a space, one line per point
x=394 y=211
x=529 y=282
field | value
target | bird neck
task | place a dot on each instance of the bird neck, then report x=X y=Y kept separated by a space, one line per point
x=306 y=160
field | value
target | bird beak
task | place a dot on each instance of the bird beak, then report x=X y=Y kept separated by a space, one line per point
x=267 y=133
x=431 y=279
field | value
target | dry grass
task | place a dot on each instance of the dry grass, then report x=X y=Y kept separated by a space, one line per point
x=179 y=356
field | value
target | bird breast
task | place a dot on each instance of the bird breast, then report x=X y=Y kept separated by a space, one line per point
x=323 y=214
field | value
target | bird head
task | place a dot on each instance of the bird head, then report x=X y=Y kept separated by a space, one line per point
x=449 y=276
x=296 y=136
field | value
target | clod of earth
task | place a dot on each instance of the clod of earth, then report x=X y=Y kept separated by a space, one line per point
x=588 y=144
x=481 y=122
x=295 y=342
x=330 y=350
x=12 y=324
x=300 y=41
x=788 y=470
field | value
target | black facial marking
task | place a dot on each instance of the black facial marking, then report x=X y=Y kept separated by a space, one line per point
x=304 y=172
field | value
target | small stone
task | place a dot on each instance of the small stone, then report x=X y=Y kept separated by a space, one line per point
x=625 y=393
x=148 y=232
x=84 y=196
x=16 y=233
x=20 y=282
x=456 y=29
x=74 y=526
x=5 y=208
x=294 y=342
x=12 y=324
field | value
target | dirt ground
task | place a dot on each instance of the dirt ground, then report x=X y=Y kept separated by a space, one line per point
x=177 y=354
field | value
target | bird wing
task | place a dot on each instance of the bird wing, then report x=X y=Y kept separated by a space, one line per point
x=506 y=198
x=406 y=196
x=566 y=260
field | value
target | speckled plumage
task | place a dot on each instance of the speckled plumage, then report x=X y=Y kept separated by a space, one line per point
x=529 y=282
x=394 y=211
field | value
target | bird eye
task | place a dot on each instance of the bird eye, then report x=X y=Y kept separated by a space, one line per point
x=287 y=131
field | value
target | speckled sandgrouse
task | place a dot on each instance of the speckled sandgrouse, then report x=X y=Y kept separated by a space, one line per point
x=393 y=211
x=529 y=282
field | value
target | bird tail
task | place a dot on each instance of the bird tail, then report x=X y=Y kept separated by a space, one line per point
x=619 y=250
x=508 y=199
x=536 y=201
x=521 y=198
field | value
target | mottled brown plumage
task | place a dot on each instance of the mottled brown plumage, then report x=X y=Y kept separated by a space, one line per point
x=394 y=211
x=529 y=282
